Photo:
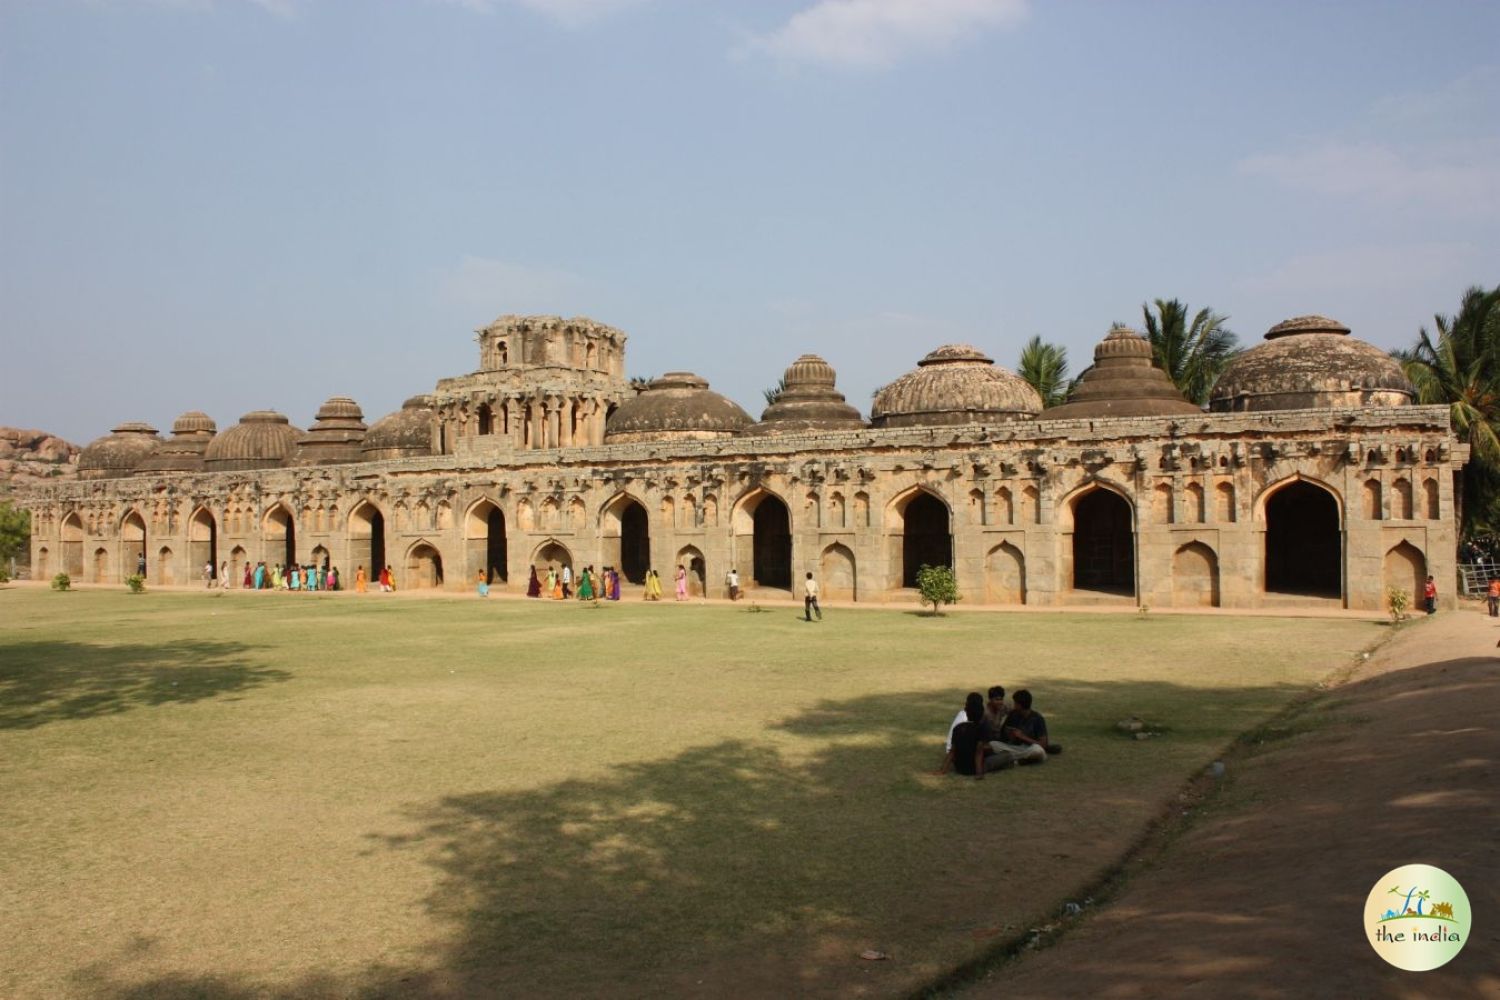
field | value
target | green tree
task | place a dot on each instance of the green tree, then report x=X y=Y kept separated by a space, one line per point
x=937 y=586
x=1193 y=354
x=15 y=530
x=1459 y=367
x=1045 y=367
x=774 y=393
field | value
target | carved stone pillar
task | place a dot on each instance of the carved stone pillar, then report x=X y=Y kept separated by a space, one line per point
x=554 y=422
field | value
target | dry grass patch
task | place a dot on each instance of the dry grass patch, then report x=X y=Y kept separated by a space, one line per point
x=278 y=795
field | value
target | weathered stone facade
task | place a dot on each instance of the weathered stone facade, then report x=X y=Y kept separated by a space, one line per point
x=1331 y=504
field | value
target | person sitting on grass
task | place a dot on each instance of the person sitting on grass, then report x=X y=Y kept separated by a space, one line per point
x=1023 y=727
x=992 y=728
x=970 y=754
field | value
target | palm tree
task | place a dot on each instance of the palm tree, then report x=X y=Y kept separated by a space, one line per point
x=774 y=393
x=1045 y=366
x=1193 y=354
x=1460 y=367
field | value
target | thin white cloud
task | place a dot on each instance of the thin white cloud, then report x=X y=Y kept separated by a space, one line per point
x=1461 y=178
x=494 y=287
x=1367 y=269
x=569 y=13
x=870 y=34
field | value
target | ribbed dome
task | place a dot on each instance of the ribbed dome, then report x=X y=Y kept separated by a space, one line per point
x=1122 y=382
x=336 y=436
x=403 y=434
x=678 y=406
x=263 y=439
x=808 y=402
x=955 y=384
x=117 y=453
x=1310 y=362
x=183 y=452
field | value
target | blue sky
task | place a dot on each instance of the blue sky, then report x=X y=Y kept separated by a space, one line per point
x=231 y=205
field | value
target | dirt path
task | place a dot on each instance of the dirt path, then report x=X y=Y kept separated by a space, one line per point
x=1263 y=895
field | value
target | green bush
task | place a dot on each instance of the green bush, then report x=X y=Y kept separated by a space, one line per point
x=62 y=581
x=136 y=583
x=937 y=587
x=4 y=575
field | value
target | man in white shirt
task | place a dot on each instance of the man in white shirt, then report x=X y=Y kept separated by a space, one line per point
x=734 y=584
x=810 y=598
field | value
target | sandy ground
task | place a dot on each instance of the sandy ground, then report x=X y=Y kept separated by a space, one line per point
x=1263 y=895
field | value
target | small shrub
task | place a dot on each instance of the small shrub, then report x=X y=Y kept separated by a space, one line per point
x=136 y=583
x=4 y=575
x=62 y=582
x=937 y=586
x=1398 y=602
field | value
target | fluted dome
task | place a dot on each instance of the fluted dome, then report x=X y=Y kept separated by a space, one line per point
x=184 y=450
x=955 y=384
x=1122 y=382
x=263 y=439
x=676 y=407
x=336 y=436
x=403 y=434
x=117 y=453
x=808 y=402
x=1310 y=362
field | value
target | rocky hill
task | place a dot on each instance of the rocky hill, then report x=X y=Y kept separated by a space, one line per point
x=28 y=457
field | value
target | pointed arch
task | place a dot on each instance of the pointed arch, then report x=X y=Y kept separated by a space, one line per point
x=762 y=526
x=366 y=531
x=203 y=539
x=1304 y=538
x=1005 y=575
x=625 y=530
x=132 y=541
x=1101 y=519
x=1405 y=568
x=424 y=566
x=1195 y=576
x=72 y=545
x=691 y=560
x=485 y=542
x=837 y=574
x=278 y=526
x=550 y=553
x=1371 y=506
x=921 y=525
x=1430 y=502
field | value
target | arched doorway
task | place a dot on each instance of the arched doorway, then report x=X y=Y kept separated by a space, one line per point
x=486 y=419
x=72 y=546
x=926 y=536
x=551 y=555
x=1195 y=576
x=627 y=538
x=101 y=565
x=763 y=540
x=836 y=574
x=43 y=563
x=367 y=539
x=280 y=532
x=132 y=544
x=424 y=567
x=486 y=542
x=238 y=558
x=163 y=573
x=1005 y=575
x=1103 y=543
x=692 y=560
x=203 y=541
x=1303 y=541
x=1406 y=569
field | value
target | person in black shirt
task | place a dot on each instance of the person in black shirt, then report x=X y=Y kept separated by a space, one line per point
x=1024 y=726
x=971 y=753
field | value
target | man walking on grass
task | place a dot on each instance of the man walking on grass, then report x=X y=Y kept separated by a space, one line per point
x=810 y=598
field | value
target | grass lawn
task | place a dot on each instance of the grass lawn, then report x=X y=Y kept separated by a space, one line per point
x=250 y=795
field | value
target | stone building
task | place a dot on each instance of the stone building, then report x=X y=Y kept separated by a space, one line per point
x=1311 y=479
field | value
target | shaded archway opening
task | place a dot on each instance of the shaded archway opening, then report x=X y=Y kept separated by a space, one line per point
x=771 y=557
x=486 y=543
x=133 y=537
x=925 y=536
x=163 y=573
x=486 y=419
x=281 y=527
x=72 y=546
x=551 y=555
x=424 y=567
x=1103 y=543
x=1303 y=542
x=635 y=543
x=690 y=559
x=203 y=541
x=101 y=565
x=1406 y=569
x=837 y=573
x=367 y=539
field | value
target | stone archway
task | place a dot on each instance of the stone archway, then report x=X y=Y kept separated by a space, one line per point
x=132 y=543
x=163 y=573
x=1195 y=576
x=101 y=565
x=1405 y=569
x=203 y=541
x=1103 y=543
x=837 y=575
x=367 y=539
x=690 y=559
x=485 y=542
x=1303 y=541
x=1005 y=575
x=280 y=526
x=627 y=538
x=424 y=567
x=551 y=554
x=763 y=539
x=72 y=546
x=926 y=534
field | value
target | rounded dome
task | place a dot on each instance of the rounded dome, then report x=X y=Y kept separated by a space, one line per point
x=183 y=452
x=119 y=452
x=336 y=435
x=955 y=384
x=263 y=439
x=1310 y=362
x=1122 y=382
x=678 y=406
x=403 y=434
x=808 y=402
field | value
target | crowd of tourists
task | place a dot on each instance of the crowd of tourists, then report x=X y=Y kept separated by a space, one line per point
x=307 y=578
x=989 y=735
x=589 y=584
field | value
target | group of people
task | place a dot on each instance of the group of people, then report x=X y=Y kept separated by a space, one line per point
x=601 y=585
x=310 y=577
x=990 y=735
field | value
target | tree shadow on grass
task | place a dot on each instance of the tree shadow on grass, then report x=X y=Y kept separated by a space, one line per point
x=744 y=867
x=42 y=682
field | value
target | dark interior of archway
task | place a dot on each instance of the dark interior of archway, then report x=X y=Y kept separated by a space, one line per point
x=1302 y=541
x=925 y=540
x=773 y=543
x=495 y=555
x=1103 y=549
x=291 y=541
x=635 y=543
x=377 y=544
x=486 y=419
